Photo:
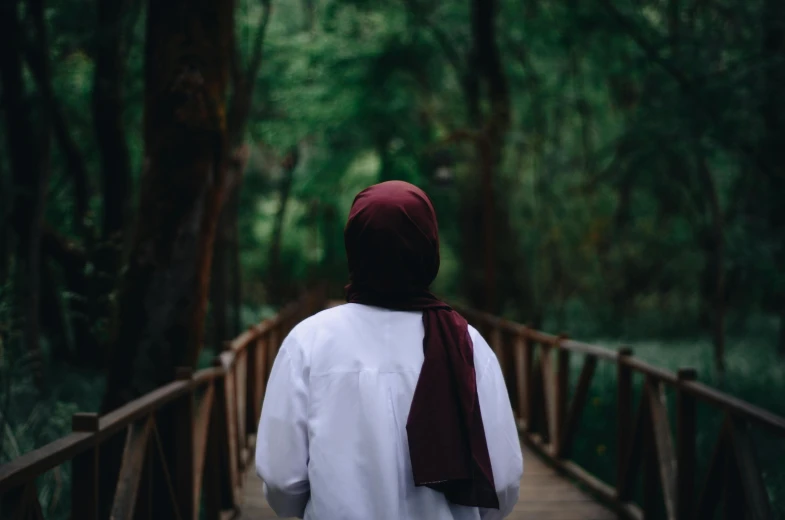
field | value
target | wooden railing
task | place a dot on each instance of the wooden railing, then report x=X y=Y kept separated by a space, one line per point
x=215 y=413
x=537 y=370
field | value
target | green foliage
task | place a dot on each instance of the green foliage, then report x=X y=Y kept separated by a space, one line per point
x=635 y=125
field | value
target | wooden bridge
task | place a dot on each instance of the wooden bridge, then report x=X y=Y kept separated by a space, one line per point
x=216 y=411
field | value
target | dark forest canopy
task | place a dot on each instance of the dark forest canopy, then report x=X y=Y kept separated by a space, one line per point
x=609 y=168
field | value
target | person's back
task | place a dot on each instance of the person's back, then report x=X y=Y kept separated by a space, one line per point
x=340 y=437
x=389 y=407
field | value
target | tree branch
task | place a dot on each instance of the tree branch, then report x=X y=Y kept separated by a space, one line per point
x=258 y=42
x=245 y=80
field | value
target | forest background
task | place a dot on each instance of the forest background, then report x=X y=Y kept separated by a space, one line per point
x=171 y=174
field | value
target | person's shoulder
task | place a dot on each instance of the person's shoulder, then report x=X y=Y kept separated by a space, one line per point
x=311 y=328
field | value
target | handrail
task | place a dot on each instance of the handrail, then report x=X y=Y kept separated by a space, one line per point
x=216 y=412
x=699 y=390
x=537 y=369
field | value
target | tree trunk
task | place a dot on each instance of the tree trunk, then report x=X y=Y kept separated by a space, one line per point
x=781 y=337
x=490 y=147
x=218 y=284
x=29 y=161
x=276 y=242
x=716 y=262
x=772 y=185
x=108 y=107
x=6 y=202
x=38 y=62
x=309 y=15
x=226 y=268
x=163 y=293
x=236 y=273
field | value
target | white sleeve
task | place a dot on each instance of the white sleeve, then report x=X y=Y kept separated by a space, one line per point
x=501 y=433
x=282 y=439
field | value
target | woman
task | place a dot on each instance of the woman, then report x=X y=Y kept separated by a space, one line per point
x=389 y=407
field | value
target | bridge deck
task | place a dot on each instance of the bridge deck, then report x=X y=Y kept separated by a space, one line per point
x=545 y=495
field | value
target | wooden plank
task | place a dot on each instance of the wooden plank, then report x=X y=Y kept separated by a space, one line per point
x=737 y=407
x=561 y=393
x=511 y=375
x=665 y=453
x=528 y=384
x=537 y=420
x=115 y=421
x=649 y=455
x=212 y=471
x=201 y=429
x=650 y=371
x=495 y=341
x=240 y=392
x=226 y=448
x=520 y=377
x=577 y=405
x=545 y=495
x=84 y=472
x=686 y=436
x=749 y=474
x=272 y=351
x=184 y=456
x=131 y=469
x=624 y=424
x=252 y=384
x=17 y=472
x=548 y=394
x=590 y=350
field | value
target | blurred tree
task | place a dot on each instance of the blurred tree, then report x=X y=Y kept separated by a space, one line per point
x=164 y=289
x=225 y=292
x=28 y=145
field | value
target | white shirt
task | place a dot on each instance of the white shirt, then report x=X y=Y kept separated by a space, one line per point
x=332 y=441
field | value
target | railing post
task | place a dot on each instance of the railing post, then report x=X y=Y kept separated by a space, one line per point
x=624 y=415
x=495 y=340
x=651 y=479
x=528 y=381
x=520 y=379
x=225 y=438
x=84 y=472
x=272 y=349
x=562 y=389
x=183 y=473
x=685 y=446
x=253 y=378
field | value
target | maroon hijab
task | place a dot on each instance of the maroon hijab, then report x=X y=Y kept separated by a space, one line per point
x=392 y=244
